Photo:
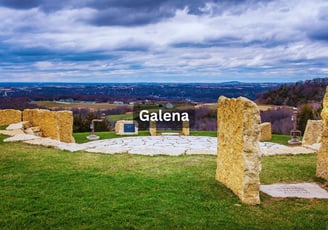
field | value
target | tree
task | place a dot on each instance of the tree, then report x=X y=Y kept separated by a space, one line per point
x=306 y=113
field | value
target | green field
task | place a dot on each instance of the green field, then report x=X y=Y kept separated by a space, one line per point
x=45 y=188
x=128 y=116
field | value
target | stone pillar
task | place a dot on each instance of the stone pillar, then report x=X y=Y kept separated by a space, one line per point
x=238 y=159
x=10 y=116
x=322 y=155
x=65 y=126
x=152 y=128
x=185 y=128
x=266 y=132
x=312 y=133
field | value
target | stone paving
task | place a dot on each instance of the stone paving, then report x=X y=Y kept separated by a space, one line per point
x=156 y=145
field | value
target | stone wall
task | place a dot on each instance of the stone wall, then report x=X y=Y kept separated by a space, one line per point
x=266 y=132
x=10 y=116
x=56 y=125
x=312 y=132
x=238 y=159
x=322 y=155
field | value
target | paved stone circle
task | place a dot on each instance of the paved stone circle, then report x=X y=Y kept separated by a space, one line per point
x=156 y=145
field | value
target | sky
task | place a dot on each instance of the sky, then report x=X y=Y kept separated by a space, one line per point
x=163 y=40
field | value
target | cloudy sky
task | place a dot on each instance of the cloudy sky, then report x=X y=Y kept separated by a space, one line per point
x=163 y=40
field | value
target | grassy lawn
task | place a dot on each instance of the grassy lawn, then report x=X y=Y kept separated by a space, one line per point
x=127 y=116
x=45 y=188
x=280 y=139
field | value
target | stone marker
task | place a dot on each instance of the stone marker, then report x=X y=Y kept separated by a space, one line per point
x=322 y=155
x=312 y=133
x=238 y=159
x=266 y=132
x=185 y=128
x=152 y=128
x=300 y=190
x=126 y=127
x=10 y=116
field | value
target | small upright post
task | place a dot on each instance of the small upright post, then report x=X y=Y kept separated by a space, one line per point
x=295 y=133
x=93 y=136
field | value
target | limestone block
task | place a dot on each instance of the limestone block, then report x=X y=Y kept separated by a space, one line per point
x=119 y=127
x=152 y=128
x=28 y=115
x=56 y=125
x=312 y=134
x=65 y=126
x=185 y=128
x=46 y=119
x=10 y=116
x=322 y=155
x=266 y=132
x=238 y=158
x=12 y=132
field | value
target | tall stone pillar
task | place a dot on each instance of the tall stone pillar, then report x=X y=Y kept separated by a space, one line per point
x=238 y=159
x=322 y=155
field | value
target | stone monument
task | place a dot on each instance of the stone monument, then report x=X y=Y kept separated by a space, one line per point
x=238 y=158
x=266 y=131
x=126 y=127
x=322 y=155
x=152 y=128
x=185 y=128
x=312 y=133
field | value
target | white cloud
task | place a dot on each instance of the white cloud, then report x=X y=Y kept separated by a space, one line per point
x=270 y=37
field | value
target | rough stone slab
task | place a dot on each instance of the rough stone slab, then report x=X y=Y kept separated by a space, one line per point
x=238 y=158
x=312 y=133
x=21 y=137
x=322 y=156
x=152 y=151
x=201 y=151
x=45 y=141
x=109 y=150
x=65 y=126
x=72 y=147
x=14 y=126
x=272 y=149
x=300 y=190
x=12 y=132
x=266 y=132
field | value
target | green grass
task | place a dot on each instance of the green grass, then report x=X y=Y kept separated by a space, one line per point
x=45 y=188
x=280 y=139
x=117 y=117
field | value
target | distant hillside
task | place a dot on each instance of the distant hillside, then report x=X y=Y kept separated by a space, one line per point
x=296 y=94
